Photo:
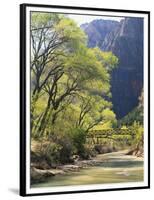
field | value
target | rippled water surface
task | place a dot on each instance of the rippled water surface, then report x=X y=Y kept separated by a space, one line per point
x=115 y=168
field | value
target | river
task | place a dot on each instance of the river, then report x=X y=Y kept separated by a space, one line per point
x=115 y=168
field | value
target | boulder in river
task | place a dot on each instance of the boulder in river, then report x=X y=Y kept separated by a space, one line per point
x=39 y=175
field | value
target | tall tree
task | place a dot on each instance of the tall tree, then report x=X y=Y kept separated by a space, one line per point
x=63 y=68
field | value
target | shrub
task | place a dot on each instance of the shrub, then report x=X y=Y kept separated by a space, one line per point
x=52 y=153
x=67 y=149
x=138 y=130
x=79 y=138
x=88 y=152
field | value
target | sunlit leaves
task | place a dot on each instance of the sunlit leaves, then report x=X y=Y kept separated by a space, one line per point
x=44 y=20
x=69 y=80
x=69 y=29
x=108 y=60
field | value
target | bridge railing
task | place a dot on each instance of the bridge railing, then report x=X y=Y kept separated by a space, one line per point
x=110 y=132
x=96 y=136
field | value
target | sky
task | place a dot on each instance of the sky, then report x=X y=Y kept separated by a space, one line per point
x=81 y=19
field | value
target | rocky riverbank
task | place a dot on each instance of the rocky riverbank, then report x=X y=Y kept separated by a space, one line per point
x=39 y=175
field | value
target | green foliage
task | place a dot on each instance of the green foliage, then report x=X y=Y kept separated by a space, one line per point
x=66 y=150
x=138 y=130
x=68 y=84
x=70 y=30
x=135 y=115
x=79 y=138
x=109 y=117
x=108 y=60
x=43 y=20
x=52 y=153
x=49 y=152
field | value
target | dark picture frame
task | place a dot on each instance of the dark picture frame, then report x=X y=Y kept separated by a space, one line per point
x=23 y=97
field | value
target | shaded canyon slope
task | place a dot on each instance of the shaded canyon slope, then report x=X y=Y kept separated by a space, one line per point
x=97 y=30
x=125 y=40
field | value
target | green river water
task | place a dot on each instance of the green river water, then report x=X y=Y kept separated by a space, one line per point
x=115 y=168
